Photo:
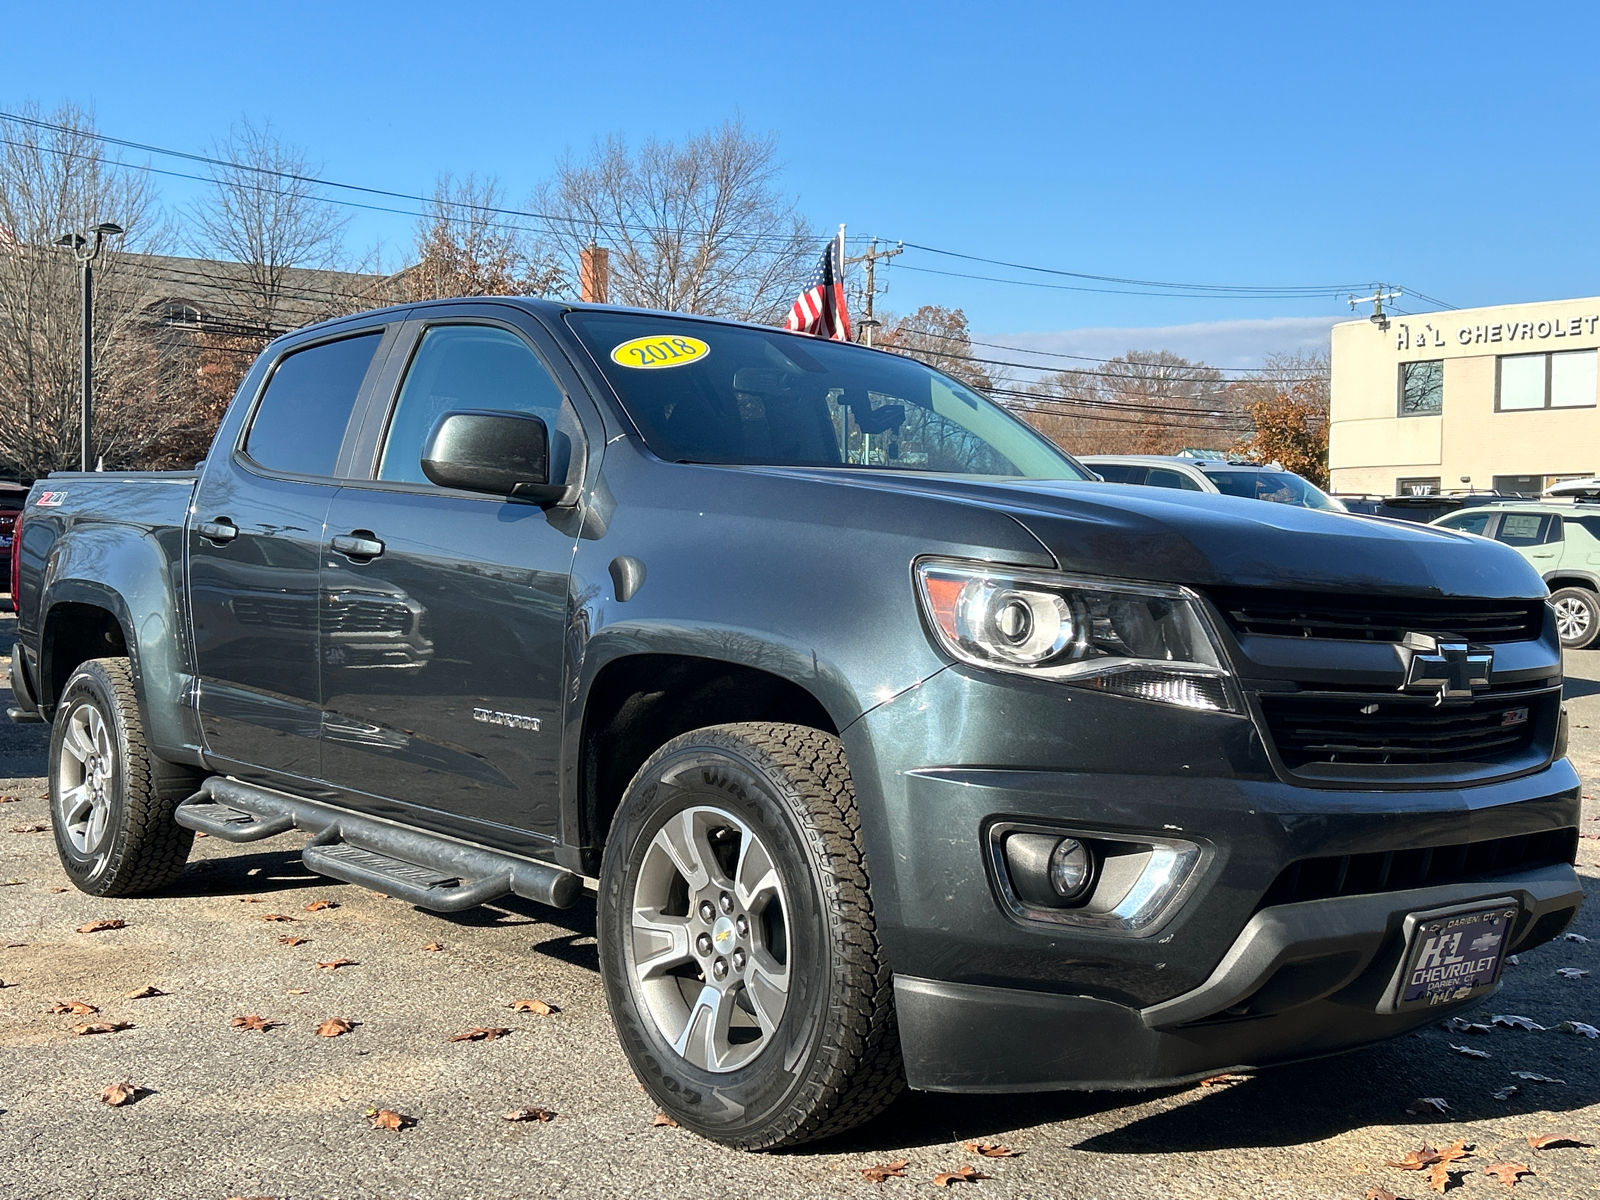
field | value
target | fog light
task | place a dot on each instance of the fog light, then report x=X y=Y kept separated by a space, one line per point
x=1071 y=868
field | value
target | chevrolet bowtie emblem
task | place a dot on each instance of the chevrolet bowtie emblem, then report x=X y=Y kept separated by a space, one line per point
x=1452 y=670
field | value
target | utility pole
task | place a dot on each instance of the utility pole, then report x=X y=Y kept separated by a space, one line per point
x=868 y=322
x=77 y=243
x=1377 y=299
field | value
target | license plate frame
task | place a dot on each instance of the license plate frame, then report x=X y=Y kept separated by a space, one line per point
x=1449 y=944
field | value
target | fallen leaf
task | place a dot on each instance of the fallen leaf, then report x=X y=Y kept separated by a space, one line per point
x=143 y=993
x=118 y=1094
x=320 y=905
x=36 y=827
x=1579 y=1028
x=76 y=1007
x=202 y=833
x=334 y=964
x=277 y=917
x=888 y=1170
x=1507 y=1092
x=1507 y=1172
x=334 y=1026
x=387 y=1118
x=253 y=1022
x=1575 y=937
x=1219 y=1080
x=1535 y=1077
x=1455 y=1152
x=959 y=1175
x=251 y=900
x=534 y=1006
x=12 y=882
x=1439 y=1177
x=434 y=946
x=1512 y=1021
x=102 y=1027
x=1470 y=1052
x=1380 y=1194
x=55 y=891
x=97 y=926
x=1421 y=1158
x=10 y=799
x=1462 y=1025
x=293 y=941
x=529 y=1114
x=1428 y=1106
x=989 y=1150
x=1554 y=1141
x=1571 y=972
x=661 y=1120
x=298 y=992
x=481 y=1033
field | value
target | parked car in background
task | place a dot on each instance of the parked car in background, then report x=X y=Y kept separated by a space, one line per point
x=1562 y=541
x=1230 y=478
x=1424 y=508
x=13 y=496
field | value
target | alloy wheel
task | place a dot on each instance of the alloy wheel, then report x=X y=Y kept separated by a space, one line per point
x=709 y=944
x=1573 y=618
x=84 y=778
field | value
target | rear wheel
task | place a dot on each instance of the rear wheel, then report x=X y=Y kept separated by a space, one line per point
x=737 y=941
x=1577 y=616
x=111 y=800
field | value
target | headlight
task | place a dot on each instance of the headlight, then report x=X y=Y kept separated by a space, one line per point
x=1135 y=639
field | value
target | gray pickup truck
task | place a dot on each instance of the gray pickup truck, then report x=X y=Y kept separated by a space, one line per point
x=895 y=749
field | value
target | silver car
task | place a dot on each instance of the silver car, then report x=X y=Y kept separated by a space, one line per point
x=1251 y=480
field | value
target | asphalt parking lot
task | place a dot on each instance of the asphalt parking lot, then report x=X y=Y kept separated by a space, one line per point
x=281 y=1112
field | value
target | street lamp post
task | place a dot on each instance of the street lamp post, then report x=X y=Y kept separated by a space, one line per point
x=86 y=250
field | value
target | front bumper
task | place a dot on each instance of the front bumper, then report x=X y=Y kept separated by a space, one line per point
x=1300 y=981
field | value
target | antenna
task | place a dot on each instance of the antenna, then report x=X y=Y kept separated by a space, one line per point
x=1378 y=317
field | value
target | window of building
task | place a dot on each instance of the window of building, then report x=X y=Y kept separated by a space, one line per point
x=1528 y=529
x=1422 y=388
x=1417 y=486
x=300 y=422
x=1519 y=485
x=464 y=367
x=1534 y=381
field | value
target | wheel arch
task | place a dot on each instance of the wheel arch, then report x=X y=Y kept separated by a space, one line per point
x=1566 y=577
x=636 y=703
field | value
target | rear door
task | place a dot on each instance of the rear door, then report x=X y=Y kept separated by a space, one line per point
x=255 y=536
x=443 y=631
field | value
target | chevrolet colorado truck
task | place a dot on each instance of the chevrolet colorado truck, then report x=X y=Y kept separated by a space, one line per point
x=895 y=749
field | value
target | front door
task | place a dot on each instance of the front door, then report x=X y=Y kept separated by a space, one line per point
x=254 y=542
x=443 y=619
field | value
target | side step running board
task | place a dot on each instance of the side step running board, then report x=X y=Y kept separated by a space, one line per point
x=426 y=869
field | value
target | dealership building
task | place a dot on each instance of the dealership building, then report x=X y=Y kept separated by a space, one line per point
x=1504 y=397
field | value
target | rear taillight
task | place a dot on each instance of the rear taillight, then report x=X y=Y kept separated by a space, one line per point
x=16 y=559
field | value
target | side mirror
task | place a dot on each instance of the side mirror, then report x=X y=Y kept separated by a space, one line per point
x=500 y=453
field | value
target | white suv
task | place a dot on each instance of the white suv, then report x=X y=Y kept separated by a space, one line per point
x=1251 y=480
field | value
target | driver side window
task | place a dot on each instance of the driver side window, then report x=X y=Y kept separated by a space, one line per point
x=458 y=367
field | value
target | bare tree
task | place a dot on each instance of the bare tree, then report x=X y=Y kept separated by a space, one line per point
x=55 y=179
x=266 y=213
x=699 y=227
x=465 y=247
x=939 y=337
x=1144 y=402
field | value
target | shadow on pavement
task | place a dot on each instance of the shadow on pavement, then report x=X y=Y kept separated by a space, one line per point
x=1573 y=687
x=248 y=874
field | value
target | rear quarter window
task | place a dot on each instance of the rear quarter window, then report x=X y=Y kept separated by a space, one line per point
x=1525 y=529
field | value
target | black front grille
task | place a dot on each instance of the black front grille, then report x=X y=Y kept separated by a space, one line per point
x=1397 y=870
x=1265 y=611
x=1386 y=728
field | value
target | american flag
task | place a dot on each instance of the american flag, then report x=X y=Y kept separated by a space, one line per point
x=820 y=310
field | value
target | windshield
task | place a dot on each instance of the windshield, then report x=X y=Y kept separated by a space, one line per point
x=1281 y=487
x=710 y=393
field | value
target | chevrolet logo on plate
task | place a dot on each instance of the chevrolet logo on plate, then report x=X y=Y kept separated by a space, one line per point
x=1451 y=670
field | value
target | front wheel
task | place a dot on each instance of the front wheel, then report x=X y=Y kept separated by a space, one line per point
x=737 y=941
x=1577 y=616
x=111 y=800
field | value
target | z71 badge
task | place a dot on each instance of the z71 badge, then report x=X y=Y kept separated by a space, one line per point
x=50 y=500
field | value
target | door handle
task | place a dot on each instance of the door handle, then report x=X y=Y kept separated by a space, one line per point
x=360 y=546
x=218 y=531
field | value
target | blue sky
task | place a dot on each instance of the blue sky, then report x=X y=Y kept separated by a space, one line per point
x=1444 y=147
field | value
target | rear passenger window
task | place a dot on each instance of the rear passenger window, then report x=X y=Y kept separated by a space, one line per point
x=1523 y=529
x=300 y=422
x=1161 y=477
x=1472 y=523
x=460 y=367
x=1120 y=472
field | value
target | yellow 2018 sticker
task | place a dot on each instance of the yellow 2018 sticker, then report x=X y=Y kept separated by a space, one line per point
x=660 y=350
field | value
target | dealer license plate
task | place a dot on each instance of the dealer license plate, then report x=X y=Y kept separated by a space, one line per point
x=1454 y=955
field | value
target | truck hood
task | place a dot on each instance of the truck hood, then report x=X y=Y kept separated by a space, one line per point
x=1202 y=539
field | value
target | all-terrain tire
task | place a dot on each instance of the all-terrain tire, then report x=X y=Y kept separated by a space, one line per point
x=1577 y=616
x=133 y=846
x=832 y=1060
